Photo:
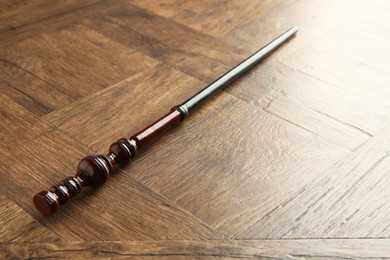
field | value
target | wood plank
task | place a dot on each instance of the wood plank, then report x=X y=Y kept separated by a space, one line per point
x=181 y=47
x=167 y=8
x=18 y=125
x=29 y=91
x=51 y=23
x=175 y=36
x=214 y=17
x=17 y=226
x=15 y=15
x=65 y=63
x=355 y=190
x=94 y=214
x=263 y=249
x=24 y=100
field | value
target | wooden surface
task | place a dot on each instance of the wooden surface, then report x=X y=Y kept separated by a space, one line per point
x=290 y=161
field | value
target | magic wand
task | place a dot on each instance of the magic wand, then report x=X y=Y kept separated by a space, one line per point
x=94 y=170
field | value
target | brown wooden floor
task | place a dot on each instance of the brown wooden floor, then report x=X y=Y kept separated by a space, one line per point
x=291 y=161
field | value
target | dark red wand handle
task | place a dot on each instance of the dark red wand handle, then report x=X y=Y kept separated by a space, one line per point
x=94 y=170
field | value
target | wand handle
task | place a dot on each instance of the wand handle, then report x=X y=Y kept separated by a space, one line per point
x=94 y=170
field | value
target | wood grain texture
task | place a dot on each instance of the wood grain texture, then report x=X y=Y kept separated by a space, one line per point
x=18 y=226
x=57 y=58
x=290 y=162
x=258 y=249
x=31 y=92
x=352 y=190
x=17 y=124
x=214 y=17
x=138 y=29
x=51 y=23
x=13 y=15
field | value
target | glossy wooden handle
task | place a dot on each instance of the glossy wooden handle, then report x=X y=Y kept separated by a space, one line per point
x=94 y=170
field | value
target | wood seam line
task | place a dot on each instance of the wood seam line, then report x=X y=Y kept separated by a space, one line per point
x=307 y=130
x=215 y=240
x=346 y=249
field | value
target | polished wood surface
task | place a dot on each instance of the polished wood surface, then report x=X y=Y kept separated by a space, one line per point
x=291 y=161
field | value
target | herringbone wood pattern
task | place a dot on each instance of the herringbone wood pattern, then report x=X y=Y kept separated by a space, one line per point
x=290 y=161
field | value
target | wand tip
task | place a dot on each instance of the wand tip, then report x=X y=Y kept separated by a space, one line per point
x=294 y=29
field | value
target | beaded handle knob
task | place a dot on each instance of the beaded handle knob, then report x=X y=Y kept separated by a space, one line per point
x=92 y=171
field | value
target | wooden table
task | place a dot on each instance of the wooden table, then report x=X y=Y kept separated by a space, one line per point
x=292 y=160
